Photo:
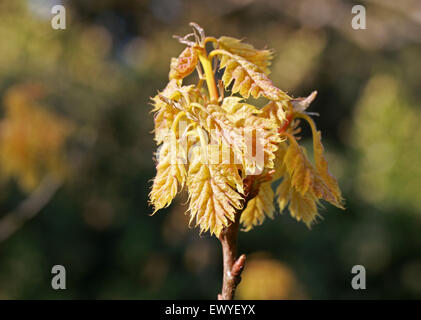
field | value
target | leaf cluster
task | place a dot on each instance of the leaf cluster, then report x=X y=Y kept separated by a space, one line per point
x=228 y=152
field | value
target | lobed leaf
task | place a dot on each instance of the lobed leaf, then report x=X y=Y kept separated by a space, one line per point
x=248 y=78
x=166 y=111
x=258 y=208
x=323 y=170
x=303 y=175
x=261 y=58
x=276 y=110
x=221 y=169
x=302 y=185
x=169 y=174
x=237 y=110
x=303 y=207
x=184 y=65
x=213 y=202
x=265 y=137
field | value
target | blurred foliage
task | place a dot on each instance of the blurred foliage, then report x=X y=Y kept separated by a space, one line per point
x=97 y=77
x=268 y=279
x=32 y=138
x=387 y=135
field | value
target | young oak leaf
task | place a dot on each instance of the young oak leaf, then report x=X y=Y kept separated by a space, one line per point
x=276 y=110
x=216 y=187
x=258 y=208
x=261 y=58
x=278 y=163
x=163 y=120
x=303 y=185
x=214 y=119
x=184 y=65
x=323 y=170
x=169 y=174
x=238 y=110
x=261 y=133
x=222 y=154
x=249 y=137
x=248 y=78
x=213 y=202
x=169 y=92
x=165 y=110
x=302 y=207
x=302 y=173
x=334 y=193
x=283 y=192
x=264 y=137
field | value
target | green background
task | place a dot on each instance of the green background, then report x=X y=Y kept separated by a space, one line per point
x=114 y=55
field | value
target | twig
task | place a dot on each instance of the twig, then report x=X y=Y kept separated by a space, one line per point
x=233 y=266
x=29 y=208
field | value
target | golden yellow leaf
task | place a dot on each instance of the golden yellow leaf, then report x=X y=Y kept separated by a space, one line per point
x=333 y=193
x=248 y=79
x=303 y=207
x=213 y=202
x=283 y=192
x=166 y=112
x=214 y=119
x=185 y=64
x=265 y=137
x=222 y=154
x=237 y=110
x=278 y=162
x=263 y=131
x=276 y=110
x=301 y=186
x=261 y=58
x=233 y=145
x=322 y=168
x=303 y=175
x=258 y=208
x=169 y=174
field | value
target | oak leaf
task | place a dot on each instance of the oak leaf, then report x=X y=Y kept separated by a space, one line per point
x=261 y=58
x=213 y=201
x=258 y=208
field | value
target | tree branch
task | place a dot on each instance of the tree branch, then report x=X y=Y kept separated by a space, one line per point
x=29 y=208
x=233 y=266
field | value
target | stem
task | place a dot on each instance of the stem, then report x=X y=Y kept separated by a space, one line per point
x=287 y=122
x=233 y=266
x=210 y=80
x=215 y=52
x=309 y=121
x=176 y=121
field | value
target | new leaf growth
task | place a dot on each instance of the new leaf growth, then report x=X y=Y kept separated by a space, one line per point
x=228 y=152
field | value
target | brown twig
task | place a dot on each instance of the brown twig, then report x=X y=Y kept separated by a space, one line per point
x=233 y=266
x=29 y=208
